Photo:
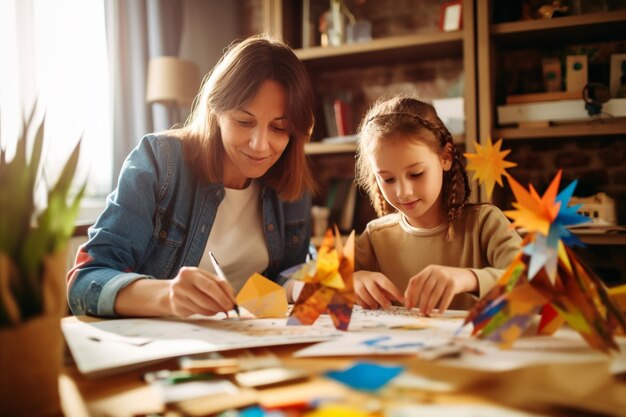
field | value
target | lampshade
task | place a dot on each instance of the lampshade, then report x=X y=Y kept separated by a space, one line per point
x=171 y=79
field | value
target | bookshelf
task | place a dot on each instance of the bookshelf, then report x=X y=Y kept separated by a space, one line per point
x=408 y=52
x=497 y=40
x=588 y=151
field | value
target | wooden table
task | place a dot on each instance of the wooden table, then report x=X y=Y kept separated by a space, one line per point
x=536 y=387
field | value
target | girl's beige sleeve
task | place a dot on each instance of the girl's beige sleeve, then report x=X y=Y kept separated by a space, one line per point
x=364 y=256
x=500 y=243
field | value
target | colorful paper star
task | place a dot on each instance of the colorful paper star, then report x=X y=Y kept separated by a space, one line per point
x=547 y=218
x=488 y=164
x=328 y=284
x=547 y=278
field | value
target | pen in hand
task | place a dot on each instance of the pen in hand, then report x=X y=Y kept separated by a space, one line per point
x=220 y=273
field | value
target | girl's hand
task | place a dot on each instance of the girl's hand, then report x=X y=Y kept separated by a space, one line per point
x=196 y=291
x=374 y=290
x=436 y=285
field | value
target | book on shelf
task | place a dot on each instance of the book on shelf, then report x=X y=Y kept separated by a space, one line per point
x=337 y=108
x=341 y=201
x=329 y=118
x=346 y=222
x=343 y=117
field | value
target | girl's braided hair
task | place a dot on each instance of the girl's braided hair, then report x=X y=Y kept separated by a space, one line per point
x=410 y=118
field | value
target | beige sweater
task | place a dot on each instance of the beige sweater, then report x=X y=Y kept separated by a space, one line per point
x=484 y=242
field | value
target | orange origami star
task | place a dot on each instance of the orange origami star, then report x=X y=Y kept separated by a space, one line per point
x=532 y=212
x=488 y=164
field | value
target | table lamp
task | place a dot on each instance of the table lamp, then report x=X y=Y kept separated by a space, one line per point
x=172 y=81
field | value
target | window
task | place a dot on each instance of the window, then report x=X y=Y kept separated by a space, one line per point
x=62 y=63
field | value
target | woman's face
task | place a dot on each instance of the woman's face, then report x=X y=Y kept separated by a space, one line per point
x=254 y=136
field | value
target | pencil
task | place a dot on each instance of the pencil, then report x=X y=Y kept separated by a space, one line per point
x=220 y=273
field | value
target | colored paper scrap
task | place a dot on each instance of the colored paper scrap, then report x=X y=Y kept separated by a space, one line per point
x=366 y=376
x=263 y=298
x=335 y=410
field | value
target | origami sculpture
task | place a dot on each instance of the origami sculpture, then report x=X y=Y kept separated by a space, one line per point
x=546 y=277
x=262 y=297
x=328 y=285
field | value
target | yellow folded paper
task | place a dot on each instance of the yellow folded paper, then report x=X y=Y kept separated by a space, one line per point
x=262 y=297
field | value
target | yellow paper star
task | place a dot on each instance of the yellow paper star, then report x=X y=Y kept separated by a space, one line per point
x=488 y=164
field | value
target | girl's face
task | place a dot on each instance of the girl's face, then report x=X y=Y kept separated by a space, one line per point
x=254 y=136
x=410 y=176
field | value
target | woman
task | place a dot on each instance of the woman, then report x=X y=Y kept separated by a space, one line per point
x=234 y=181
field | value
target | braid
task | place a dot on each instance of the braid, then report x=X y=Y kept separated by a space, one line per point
x=457 y=188
x=380 y=204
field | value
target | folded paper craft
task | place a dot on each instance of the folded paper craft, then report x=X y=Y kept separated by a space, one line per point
x=262 y=297
x=328 y=286
x=546 y=277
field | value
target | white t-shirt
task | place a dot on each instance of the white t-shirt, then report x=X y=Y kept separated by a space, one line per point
x=237 y=238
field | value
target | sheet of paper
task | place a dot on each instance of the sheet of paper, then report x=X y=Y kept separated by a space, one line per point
x=171 y=393
x=391 y=343
x=108 y=346
x=566 y=346
x=172 y=337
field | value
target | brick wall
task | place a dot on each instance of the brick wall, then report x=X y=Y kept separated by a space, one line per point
x=599 y=164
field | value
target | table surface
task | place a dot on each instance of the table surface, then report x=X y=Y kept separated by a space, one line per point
x=550 y=389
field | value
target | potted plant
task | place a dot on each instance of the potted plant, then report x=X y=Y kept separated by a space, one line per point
x=33 y=243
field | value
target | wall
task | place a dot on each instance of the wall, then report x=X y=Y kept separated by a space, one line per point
x=209 y=27
x=599 y=164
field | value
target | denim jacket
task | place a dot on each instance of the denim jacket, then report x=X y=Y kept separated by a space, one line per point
x=159 y=219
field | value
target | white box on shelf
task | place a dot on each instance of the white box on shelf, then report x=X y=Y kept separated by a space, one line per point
x=555 y=111
x=616 y=72
x=576 y=73
x=451 y=111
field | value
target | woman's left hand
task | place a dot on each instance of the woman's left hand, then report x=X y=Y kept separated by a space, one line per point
x=436 y=285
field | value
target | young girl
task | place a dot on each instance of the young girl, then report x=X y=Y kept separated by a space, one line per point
x=429 y=249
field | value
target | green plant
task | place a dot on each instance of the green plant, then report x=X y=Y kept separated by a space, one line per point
x=29 y=235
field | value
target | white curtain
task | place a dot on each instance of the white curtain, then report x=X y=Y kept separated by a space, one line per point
x=136 y=31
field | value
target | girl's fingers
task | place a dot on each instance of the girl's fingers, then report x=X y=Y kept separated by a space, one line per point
x=368 y=300
x=448 y=295
x=434 y=298
x=380 y=296
x=414 y=290
x=391 y=291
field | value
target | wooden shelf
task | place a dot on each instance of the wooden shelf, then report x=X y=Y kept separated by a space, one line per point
x=317 y=148
x=597 y=127
x=602 y=238
x=586 y=28
x=387 y=50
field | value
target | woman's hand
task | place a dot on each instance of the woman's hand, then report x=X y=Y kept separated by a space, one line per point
x=436 y=285
x=374 y=290
x=196 y=291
